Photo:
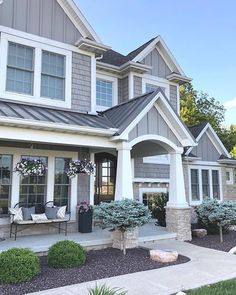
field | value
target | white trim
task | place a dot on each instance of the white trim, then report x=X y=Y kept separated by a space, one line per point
x=204 y=163
x=78 y=19
x=45 y=41
x=93 y=84
x=157 y=159
x=144 y=190
x=231 y=176
x=114 y=82
x=200 y=168
x=36 y=96
x=51 y=155
x=151 y=180
x=213 y=138
x=131 y=85
x=52 y=137
x=167 y=53
x=156 y=82
x=92 y=182
x=169 y=145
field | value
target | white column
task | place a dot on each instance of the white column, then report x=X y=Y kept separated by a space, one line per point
x=124 y=181
x=51 y=178
x=177 y=196
x=91 y=182
x=15 y=194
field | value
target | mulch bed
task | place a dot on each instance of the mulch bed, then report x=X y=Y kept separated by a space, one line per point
x=213 y=241
x=99 y=264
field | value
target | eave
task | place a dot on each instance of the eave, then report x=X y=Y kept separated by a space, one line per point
x=91 y=46
x=177 y=78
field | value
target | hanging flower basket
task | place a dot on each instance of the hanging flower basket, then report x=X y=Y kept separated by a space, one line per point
x=28 y=167
x=80 y=166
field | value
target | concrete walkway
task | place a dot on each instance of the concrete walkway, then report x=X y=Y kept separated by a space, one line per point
x=206 y=267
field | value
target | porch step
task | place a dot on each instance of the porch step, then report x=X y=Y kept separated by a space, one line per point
x=155 y=238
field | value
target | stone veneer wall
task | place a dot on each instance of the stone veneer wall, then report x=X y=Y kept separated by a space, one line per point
x=229 y=190
x=81 y=83
x=178 y=220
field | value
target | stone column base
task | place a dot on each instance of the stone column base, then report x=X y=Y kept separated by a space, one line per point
x=178 y=220
x=131 y=237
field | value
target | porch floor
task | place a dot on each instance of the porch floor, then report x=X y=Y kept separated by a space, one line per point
x=99 y=238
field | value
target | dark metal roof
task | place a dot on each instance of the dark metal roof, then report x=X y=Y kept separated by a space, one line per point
x=197 y=129
x=52 y=115
x=117 y=59
x=123 y=114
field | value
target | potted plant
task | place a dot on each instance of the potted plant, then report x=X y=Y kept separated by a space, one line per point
x=85 y=217
x=123 y=218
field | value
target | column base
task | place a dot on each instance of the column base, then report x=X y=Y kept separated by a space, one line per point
x=178 y=220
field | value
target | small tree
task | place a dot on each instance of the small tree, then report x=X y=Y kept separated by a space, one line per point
x=122 y=215
x=213 y=214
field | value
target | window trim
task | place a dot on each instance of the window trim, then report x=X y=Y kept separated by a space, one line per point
x=144 y=190
x=231 y=176
x=200 y=168
x=157 y=82
x=114 y=90
x=38 y=48
x=155 y=160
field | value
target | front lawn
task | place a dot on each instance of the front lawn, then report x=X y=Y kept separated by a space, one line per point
x=222 y=288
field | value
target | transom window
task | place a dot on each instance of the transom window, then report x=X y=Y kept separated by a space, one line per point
x=5 y=183
x=33 y=189
x=20 y=69
x=104 y=93
x=204 y=183
x=53 y=75
x=62 y=185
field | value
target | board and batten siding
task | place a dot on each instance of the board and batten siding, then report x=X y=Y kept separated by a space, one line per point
x=147 y=170
x=123 y=90
x=206 y=150
x=81 y=83
x=153 y=123
x=174 y=97
x=159 y=67
x=44 y=18
x=137 y=86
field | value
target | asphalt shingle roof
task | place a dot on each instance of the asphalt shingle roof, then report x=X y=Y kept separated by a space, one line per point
x=117 y=59
x=197 y=129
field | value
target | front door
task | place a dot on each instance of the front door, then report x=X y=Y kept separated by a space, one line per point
x=105 y=178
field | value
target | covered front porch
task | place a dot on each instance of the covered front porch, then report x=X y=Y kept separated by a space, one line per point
x=148 y=234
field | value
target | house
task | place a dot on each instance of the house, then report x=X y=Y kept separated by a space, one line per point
x=64 y=96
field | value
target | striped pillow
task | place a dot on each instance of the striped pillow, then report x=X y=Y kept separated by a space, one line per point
x=61 y=212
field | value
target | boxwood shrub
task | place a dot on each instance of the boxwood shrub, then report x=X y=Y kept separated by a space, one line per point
x=18 y=265
x=66 y=254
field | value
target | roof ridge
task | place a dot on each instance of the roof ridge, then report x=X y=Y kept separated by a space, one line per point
x=143 y=45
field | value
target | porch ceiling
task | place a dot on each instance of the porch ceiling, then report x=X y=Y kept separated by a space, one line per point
x=148 y=148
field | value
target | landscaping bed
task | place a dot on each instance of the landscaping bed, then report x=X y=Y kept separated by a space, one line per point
x=213 y=241
x=99 y=264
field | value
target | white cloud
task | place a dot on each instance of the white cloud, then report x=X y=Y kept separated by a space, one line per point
x=230 y=104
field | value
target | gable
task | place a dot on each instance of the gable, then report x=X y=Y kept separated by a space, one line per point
x=153 y=123
x=156 y=61
x=44 y=18
x=206 y=149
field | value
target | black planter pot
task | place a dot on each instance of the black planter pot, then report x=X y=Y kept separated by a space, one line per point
x=85 y=220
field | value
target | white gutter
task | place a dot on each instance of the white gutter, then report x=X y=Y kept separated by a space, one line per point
x=56 y=127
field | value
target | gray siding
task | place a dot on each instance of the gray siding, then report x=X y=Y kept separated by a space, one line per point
x=137 y=86
x=174 y=97
x=206 y=150
x=83 y=179
x=153 y=123
x=44 y=18
x=123 y=90
x=81 y=83
x=147 y=170
x=159 y=67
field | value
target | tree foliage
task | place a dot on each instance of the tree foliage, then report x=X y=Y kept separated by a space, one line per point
x=198 y=107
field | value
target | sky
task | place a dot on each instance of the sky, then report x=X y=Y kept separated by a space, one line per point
x=201 y=34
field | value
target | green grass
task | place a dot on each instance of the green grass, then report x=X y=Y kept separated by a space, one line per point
x=222 y=288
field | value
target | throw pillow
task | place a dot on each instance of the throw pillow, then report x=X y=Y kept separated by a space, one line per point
x=40 y=217
x=51 y=212
x=61 y=212
x=16 y=214
x=27 y=213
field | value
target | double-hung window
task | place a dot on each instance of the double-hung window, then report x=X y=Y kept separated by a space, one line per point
x=20 y=69
x=35 y=71
x=53 y=75
x=104 y=93
x=204 y=183
x=5 y=183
